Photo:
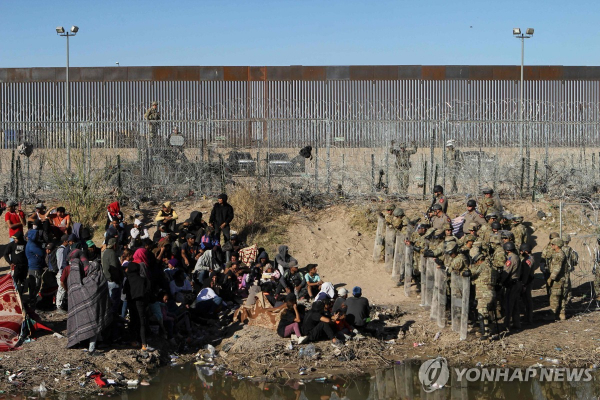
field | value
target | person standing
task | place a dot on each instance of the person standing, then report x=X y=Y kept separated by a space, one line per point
x=439 y=218
x=152 y=115
x=14 y=254
x=15 y=220
x=221 y=217
x=35 y=261
x=440 y=198
x=557 y=281
x=484 y=278
x=454 y=158
x=511 y=279
x=111 y=267
x=472 y=216
x=527 y=276
x=403 y=164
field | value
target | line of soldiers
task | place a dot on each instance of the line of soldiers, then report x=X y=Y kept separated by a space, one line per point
x=494 y=251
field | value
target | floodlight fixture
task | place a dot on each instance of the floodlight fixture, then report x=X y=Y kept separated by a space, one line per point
x=60 y=29
x=529 y=31
x=516 y=31
x=74 y=29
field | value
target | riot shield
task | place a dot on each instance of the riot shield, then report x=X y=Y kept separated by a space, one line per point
x=464 y=317
x=408 y=269
x=440 y=292
x=390 y=245
x=430 y=276
x=455 y=301
x=423 y=269
x=398 y=266
x=435 y=303
x=377 y=249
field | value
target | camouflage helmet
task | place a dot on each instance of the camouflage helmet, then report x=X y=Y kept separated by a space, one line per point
x=517 y=218
x=491 y=215
x=436 y=207
x=479 y=256
x=398 y=212
x=495 y=239
x=553 y=235
x=451 y=247
x=472 y=226
x=507 y=235
x=402 y=145
x=567 y=238
x=154 y=103
x=390 y=207
x=488 y=191
x=446 y=226
x=557 y=242
x=469 y=238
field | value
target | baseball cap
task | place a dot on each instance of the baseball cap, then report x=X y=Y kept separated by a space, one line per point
x=356 y=291
x=342 y=291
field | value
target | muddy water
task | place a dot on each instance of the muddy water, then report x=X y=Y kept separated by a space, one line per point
x=399 y=382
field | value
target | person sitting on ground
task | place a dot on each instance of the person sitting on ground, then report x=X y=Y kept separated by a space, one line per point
x=60 y=221
x=317 y=326
x=290 y=320
x=234 y=245
x=113 y=214
x=195 y=224
x=167 y=216
x=171 y=268
x=340 y=302
x=137 y=234
x=292 y=281
x=313 y=281
x=209 y=239
x=263 y=258
x=162 y=231
x=283 y=260
x=180 y=286
x=208 y=304
x=40 y=214
x=358 y=310
x=190 y=252
x=49 y=286
x=326 y=293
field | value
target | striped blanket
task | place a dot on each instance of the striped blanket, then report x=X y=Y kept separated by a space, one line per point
x=11 y=314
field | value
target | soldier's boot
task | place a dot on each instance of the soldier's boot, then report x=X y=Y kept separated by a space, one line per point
x=400 y=281
x=482 y=334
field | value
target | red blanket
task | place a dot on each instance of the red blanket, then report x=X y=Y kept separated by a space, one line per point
x=11 y=314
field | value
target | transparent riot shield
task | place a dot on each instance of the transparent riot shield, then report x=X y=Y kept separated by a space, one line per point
x=423 y=268
x=455 y=301
x=435 y=303
x=398 y=266
x=430 y=276
x=464 y=316
x=408 y=269
x=390 y=246
x=377 y=249
x=440 y=292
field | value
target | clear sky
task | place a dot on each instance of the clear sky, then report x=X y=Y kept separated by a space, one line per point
x=285 y=32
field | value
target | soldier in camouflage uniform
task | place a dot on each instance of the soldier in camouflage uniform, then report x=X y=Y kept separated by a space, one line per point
x=498 y=259
x=448 y=232
x=152 y=114
x=458 y=264
x=511 y=280
x=419 y=243
x=486 y=229
x=489 y=204
x=439 y=218
x=547 y=254
x=557 y=280
x=439 y=198
x=388 y=215
x=572 y=259
x=484 y=277
x=520 y=231
x=472 y=216
x=505 y=222
x=527 y=276
x=403 y=165
x=400 y=224
x=453 y=159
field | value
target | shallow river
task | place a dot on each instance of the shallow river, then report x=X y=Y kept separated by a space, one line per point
x=401 y=381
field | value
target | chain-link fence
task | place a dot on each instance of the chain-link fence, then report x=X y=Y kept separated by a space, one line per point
x=347 y=158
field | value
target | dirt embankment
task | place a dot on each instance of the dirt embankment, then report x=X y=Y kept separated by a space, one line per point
x=344 y=255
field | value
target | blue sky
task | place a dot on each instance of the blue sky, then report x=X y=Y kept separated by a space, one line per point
x=282 y=32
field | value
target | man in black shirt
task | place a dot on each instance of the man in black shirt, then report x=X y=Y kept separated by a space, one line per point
x=358 y=310
x=189 y=252
x=221 y=216
x=317 y=326
x=14 y=254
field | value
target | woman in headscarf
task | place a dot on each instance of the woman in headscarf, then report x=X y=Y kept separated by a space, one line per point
x=327 y=292
x=137 y=290
x=89 y=304
x=113 y=214
x=283 y=260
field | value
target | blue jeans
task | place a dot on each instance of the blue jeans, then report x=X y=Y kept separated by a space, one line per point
x=114 y=293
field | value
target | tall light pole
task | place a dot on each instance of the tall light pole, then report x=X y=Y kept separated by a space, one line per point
x=60 y=31
x=517 y=34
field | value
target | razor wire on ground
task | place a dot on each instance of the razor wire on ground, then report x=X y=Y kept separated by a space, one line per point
x=342 y=158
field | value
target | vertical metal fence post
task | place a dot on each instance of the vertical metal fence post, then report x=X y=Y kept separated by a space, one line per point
x=328 y=144
x=316 y=167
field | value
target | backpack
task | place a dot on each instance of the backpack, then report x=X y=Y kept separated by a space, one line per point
x=53 y=261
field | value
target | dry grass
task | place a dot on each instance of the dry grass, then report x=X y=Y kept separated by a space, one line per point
x=259 y=217
x=363 y=217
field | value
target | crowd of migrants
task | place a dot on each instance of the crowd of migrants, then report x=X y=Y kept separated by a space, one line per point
x=493 y=249
x=184 y=276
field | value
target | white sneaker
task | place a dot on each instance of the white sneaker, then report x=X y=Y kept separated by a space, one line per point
x=302 y=339
x=294 y=337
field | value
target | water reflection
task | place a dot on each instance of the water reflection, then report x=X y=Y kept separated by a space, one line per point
x=399 y=382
